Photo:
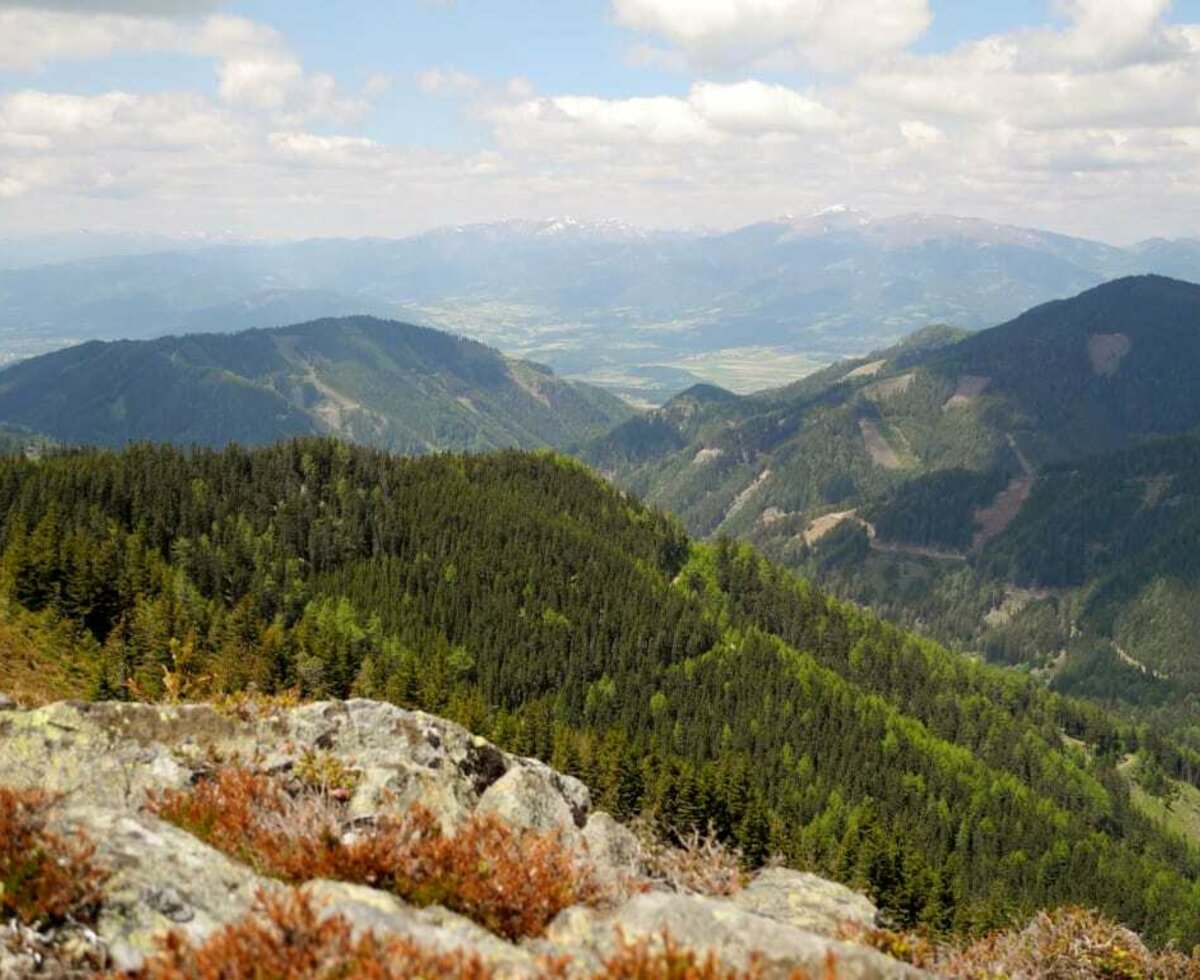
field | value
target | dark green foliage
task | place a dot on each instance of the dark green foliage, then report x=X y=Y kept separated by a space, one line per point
x=1041 y=362
x=845 y=545
x=1031 y=635
x=1121 y=518
x=937 y=509
x=374 y=381
x=546 y=610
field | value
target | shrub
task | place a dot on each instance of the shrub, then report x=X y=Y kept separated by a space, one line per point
x=287 y=939
x=1068 y=944
x=512 y=882
x=907 y=947
x=253 y=705
x=696 y=863
x=44 y=878
x=327 y=774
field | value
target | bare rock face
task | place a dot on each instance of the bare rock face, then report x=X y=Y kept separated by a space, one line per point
x=112 y=754
x=368 y=909
x=737 y=936
x=163 y=879
x=104 y=759
x=806 y=901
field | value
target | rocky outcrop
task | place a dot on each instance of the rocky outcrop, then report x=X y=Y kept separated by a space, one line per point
x=806 y=902
x=104 y=759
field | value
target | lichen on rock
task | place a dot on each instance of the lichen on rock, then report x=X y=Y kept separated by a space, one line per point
x=107 y=760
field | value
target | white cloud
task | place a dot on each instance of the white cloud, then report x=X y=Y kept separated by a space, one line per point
x=29 y=39
x=328 y=151
x=710 y=114
x=254 y=65
x=751 y=107
x=831 y=34
x=1113 y=32
x=919 y=133
x=1092 y=126
x=447 y=81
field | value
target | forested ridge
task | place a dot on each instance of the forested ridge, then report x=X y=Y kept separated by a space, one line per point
x=546 y=610
x=379 y=382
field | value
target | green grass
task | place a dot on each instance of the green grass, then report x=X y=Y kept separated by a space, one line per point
x=1180 y=815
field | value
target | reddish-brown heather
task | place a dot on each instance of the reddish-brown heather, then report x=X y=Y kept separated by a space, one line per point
x=45 y=878
x=510 y=881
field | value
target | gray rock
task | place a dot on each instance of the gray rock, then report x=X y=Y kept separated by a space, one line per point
x=7 y=703
x=163 y=879
x=106 y=758
x=613 y=849
x=736 y=936
x=109 y=755
x=114 y=754
x=368 y=909
x=532 y=798
x=805 y=901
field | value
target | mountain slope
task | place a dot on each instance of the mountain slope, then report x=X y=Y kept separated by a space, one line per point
x=643 y=311
x=549 y=612
x=903 y=479
x=375 y=381
x=1115 y=364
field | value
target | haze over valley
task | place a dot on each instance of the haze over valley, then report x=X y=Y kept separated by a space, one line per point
x=644 y=313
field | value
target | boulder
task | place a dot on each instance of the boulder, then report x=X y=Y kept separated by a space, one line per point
x=114 y=754
x=736 y=936
x=530 y=798
x=613 y=849
x=162 y=879
x=368 y=909
x=805 y=901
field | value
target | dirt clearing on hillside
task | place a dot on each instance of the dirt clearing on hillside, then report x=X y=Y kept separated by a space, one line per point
x=969 y=388
x=994 y=519
x=824 y=524
x=1106 y=351
x=882 y=454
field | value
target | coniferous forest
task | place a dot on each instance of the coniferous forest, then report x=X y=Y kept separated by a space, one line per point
x=542 y=608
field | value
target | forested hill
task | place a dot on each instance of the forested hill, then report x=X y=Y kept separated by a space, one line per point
x=950 y=481
x=1113 y=365
x=545 y=609
x=374 y=381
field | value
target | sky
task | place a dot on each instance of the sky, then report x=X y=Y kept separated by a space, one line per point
x=297 y=118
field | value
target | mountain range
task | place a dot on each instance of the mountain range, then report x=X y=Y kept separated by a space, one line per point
x=389 y=384
x=1028 y=490
x=644 y=312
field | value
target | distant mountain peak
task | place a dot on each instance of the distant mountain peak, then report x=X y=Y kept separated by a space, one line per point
x=834 y=217
x=560 y=226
